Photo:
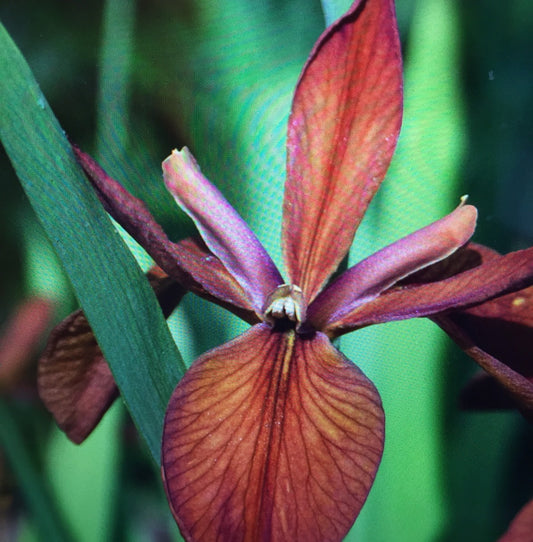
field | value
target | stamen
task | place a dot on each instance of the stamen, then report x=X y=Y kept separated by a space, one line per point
x=286 y=302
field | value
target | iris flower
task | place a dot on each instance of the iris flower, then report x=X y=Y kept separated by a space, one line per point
x=276 y=435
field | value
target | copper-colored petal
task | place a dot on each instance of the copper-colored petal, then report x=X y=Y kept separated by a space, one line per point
x=521 y=528
x=75 y=382
x=517 y=385
x=20 y=338
x=223 y=230
x=271 y=437
x=343 y=128
x=497 y=276
x=189 y=262
x=366 y=280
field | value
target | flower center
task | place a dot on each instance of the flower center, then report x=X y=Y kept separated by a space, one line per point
x=286 y=302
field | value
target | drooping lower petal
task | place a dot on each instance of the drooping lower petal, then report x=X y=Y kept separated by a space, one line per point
x=366 y=280
x=271 y=437
x=75 y=382
x=343 y=127
x=223 y=230
x=74 y=379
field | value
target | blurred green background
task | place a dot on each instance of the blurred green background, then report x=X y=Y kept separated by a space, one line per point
x=129 y=81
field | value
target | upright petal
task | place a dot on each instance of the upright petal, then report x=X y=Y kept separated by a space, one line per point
x=223 y=230
x=366 y=280
x=343 y=128
x=271 y=437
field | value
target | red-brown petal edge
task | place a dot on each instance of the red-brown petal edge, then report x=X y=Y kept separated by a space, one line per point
x=225 y=233
x=271 y=437
x=75 y=382
x=343 y=128
x=521 y=528
x=74 y=379
x=189 y=262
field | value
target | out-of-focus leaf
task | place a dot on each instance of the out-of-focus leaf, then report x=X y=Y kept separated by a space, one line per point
x=116 y=298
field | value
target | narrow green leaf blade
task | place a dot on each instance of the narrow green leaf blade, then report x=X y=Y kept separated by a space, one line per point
x=116 y=298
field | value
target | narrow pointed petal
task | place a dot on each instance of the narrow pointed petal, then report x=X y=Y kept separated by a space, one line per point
x=496 y=277
x=75 y=382
x=343 y=128
x=223 y=230
x=370 y=277
x=521 y=528
x=271 y=437
x=74 y=379
x=189 y=262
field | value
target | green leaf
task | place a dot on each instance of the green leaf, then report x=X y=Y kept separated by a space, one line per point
x=113 y=292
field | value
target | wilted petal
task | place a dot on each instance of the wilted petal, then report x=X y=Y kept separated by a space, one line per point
x=223 y=230
x=74 y=379
x=271 y=437
x=75 y=382
x=20 y=338
x=343 y=128
x=521 y=528
x=370 y=277
x=497 y=276
x=189 y=262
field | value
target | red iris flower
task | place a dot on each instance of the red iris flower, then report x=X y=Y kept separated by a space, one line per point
x=276 y=435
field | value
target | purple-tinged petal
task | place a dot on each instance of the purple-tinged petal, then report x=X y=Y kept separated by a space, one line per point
x=223 y=230
x=521 y=528
x=271 y=437
x=188 y=262
x=343 y=127
x=74 y=379
x=496 y=277
x=378 y=272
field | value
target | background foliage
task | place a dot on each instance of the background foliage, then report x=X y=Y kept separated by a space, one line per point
x=131 y=80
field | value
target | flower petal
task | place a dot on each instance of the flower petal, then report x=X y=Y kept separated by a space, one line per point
x=74 y=379
x=75 y=382
x=370 y=277
x=498 y=334
x=271 y=437
x=188 y=262
x=343 y=128
x=521 y=527
x=223 y=230
x=496 y=277
x=20 y=338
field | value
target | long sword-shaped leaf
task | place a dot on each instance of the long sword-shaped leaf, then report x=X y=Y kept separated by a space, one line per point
x=117 y=300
